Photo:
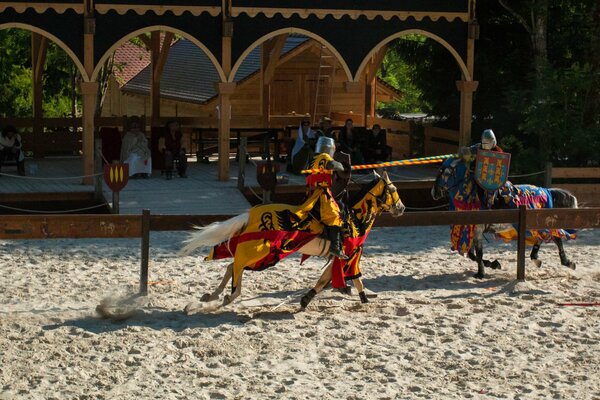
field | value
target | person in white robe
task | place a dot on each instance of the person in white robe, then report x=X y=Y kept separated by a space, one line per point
x=135 y=150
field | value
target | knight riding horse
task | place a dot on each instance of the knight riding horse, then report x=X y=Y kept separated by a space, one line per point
x=266 y=234
x=457 y=180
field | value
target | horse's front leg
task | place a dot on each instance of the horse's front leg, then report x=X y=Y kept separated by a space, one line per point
x=534 y=253
x=361 y=290
x=564 y=260
x=321 y=283
x=215 y=295
x=478 y=244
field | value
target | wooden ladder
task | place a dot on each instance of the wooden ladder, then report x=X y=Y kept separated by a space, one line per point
x=324 y=89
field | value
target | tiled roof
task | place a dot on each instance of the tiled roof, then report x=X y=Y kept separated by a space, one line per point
x=190 y=75
x=129 y=61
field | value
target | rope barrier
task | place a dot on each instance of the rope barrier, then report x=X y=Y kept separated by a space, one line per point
x=525 y=175
x=50 y=178
x=53 y=212
x=427 y=208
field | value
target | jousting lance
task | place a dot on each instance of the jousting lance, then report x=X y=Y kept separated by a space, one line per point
x=398 y=163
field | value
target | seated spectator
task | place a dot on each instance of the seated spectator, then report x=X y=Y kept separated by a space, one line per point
x=304 y=147
x=325 y=128
x=135 y=150
x=375 y=147
x=350 y=142
x=10 y=148
x=174 y=154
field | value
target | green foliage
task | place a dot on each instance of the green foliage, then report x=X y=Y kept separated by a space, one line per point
x=16 y=77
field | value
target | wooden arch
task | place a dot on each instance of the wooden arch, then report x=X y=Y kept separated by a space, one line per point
x=137 y=32
x=461 y=63
x=48 y=35
x=289 y=30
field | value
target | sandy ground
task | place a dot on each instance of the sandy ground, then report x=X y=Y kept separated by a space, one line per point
x=432 y=332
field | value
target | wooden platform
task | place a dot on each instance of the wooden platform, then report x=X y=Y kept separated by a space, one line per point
x=200 y=193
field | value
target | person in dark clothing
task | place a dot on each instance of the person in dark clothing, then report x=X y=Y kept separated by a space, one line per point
x=375 y=146
x=174 y=153
x=351 y=142
x=10 y=148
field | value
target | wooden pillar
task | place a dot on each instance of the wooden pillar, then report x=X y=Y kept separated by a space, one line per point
x=466 y=89
x=89 y=92
x=39 y=47
x=154 y=78
x=468 y=85
x=225 y=90
x=271 y=53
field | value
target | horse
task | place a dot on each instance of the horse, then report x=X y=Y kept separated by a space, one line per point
x=456 y=182
x=261 y=237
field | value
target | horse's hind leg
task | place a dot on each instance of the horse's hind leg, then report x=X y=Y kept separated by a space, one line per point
x=534 y=253
x=215 y=295
x=236 y=290
x=564 y=260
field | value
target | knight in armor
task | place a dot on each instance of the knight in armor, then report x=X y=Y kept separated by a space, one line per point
x=327 y=210
x=488 y=142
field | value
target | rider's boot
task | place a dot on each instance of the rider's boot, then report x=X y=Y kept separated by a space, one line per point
x=335 y=249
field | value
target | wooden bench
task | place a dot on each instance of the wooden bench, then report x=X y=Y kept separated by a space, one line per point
x=206 y=142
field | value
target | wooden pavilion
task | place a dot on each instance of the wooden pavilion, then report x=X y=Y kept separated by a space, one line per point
x=356 y=33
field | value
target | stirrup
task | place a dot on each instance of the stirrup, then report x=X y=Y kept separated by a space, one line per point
x=338 y=254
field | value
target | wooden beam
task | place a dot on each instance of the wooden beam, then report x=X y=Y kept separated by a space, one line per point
x=274 y=57
x=371 y=84
x=164 y=54
x=579 y=173
x=146 y=40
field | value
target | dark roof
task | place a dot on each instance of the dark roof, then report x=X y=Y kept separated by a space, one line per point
x=190 y=75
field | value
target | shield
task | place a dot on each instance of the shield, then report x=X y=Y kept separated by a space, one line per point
x=116 y=176
x=491 y=168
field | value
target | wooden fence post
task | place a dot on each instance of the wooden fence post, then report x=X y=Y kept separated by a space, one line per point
x=145 y=252
x=521 y=243
x=242 y=154
x=548 y=175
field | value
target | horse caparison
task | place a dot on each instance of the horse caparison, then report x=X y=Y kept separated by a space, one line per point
x=455 y=181
x=266 y=234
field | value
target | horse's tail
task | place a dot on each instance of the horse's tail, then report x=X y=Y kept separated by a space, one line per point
x=562 y=198
x=213 y=234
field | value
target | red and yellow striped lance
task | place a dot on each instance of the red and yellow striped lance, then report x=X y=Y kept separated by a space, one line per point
x=398 y=163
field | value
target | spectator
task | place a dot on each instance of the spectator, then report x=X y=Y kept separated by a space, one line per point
x=325 y=128
x=10 y=148
x=135 y=150
x=174 y=154
x=375 y=146
x=304 y=147
x=351 y=142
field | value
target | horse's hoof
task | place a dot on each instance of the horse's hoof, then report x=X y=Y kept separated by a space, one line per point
x=227 y=300
x=495 y=265
x=205 y=297
x=307 y=298
x=537 y=263
x=191 y=308
x=572 y=265
x=478 y=276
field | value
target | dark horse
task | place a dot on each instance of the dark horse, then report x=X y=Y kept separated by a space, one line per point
x=455 y=181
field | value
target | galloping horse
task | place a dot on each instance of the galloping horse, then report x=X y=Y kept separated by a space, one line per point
x=266 y=234
x=457 y=182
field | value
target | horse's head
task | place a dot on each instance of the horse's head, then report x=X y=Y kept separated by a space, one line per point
x=388 y=199
x=450 y=176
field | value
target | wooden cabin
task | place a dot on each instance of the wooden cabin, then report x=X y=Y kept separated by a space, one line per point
x=187 y=86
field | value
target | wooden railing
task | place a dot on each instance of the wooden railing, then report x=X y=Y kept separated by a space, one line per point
x=584 y=183
x=132 y=226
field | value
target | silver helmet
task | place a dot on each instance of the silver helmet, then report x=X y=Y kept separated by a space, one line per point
x=488 y=139
x=325 y=145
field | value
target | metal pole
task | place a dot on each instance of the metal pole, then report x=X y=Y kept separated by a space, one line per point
x=521 y=243
x=242 y=163
x=115 y=202
x=145 y=252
